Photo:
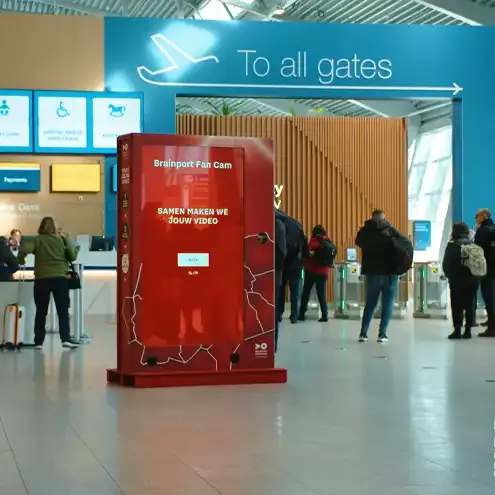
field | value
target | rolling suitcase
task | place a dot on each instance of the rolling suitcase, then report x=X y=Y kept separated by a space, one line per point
x=13 y=327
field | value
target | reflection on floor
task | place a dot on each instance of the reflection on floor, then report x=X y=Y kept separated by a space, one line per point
x=414 y=416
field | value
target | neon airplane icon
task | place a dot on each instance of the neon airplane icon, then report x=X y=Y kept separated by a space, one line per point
x=178 y=60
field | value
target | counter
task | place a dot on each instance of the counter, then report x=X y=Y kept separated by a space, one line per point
x=99 y=281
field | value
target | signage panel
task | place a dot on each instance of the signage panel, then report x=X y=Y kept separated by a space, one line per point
x=20 y=177
x=16 y=134
x=422 y=235
x=84 y=177
x=61 y=122
x=114 y=115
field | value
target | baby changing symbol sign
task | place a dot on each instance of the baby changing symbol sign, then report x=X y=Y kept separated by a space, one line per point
x=4 y=109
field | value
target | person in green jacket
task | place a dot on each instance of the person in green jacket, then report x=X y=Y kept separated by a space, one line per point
x=52 y=254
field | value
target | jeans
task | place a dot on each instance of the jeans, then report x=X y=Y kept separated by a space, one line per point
x=488 y=293
x=43 y=288
x=386 y=285
x=294 y=288
x=320 y=281
x=278 y=284
x=463 y=302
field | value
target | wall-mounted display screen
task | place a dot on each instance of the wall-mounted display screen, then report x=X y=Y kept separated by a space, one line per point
x=114 y=115
x=20 y=177
x=84 y=122
x=84 y=177
x=61 y=122
x=16 y=135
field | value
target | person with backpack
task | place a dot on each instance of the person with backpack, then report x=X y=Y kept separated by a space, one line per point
x=463 y=264
x=317 y=263
x=485 y=239
x=386 y=254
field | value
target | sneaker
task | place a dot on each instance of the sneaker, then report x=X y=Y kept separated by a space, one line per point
x=382 y=338
x=38 y=347
x=323 y=319
x=363 y=338
x=69 y=345
x=301 y=318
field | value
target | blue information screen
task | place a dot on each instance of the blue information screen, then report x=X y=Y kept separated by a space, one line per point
x=422 y=235
x=19 y=177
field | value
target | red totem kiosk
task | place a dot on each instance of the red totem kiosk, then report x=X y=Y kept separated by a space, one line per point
x=195 y=262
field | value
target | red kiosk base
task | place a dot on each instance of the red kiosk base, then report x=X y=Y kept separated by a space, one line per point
x=197 y=378
x=196 y=299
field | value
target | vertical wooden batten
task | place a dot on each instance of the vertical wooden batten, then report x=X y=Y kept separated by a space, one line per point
x=335 y=170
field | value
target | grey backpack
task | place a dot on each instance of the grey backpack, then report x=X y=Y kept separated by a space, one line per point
x=473 y=257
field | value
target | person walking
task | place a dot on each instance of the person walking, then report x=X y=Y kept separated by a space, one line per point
x=52 y=254
x=485 y=238
x=317 y=263
x=462 y=257
x=386 y=254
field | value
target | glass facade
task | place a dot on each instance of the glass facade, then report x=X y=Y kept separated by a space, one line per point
x=430 y=187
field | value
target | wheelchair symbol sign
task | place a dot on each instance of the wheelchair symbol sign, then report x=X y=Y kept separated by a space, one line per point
x=62 y=111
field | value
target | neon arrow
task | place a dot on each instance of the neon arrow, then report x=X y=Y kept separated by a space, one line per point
x=454 y=89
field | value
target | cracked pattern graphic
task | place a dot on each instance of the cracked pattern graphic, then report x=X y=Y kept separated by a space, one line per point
x=136 y=357
x=254 y=298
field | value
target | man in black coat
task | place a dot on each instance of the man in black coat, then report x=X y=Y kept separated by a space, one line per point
x=485 y=238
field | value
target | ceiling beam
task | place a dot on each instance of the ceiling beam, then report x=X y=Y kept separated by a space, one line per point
x=387 y=108
x=290 y=107
x=468 y=12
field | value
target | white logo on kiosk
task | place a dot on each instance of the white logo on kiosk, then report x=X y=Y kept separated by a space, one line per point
x=125 y=263
x=260 y=350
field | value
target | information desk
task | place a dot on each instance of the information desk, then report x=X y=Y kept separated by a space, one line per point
x=99 y=281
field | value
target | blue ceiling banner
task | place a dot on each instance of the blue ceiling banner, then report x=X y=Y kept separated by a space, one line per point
x=421 y=235
x=16 y=127
x=165 y=58
x=20 y=177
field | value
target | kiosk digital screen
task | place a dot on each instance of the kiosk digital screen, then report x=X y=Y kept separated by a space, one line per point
x=193 y=210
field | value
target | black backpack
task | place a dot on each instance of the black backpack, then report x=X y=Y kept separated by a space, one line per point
x=326 y=254
x=402 y=255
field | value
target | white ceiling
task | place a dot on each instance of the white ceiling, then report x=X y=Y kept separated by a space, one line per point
x=448 y=12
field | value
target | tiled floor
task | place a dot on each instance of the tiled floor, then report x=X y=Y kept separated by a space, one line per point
x=415 y=416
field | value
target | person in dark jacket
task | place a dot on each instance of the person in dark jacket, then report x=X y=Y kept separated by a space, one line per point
x=280 y=254
x=9 y=263
x=291 y=276
x=315 y=273
x=375 y=240
x=463 y=285
x=485 y=238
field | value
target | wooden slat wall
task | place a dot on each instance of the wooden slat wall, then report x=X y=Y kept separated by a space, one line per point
x=335 y=170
